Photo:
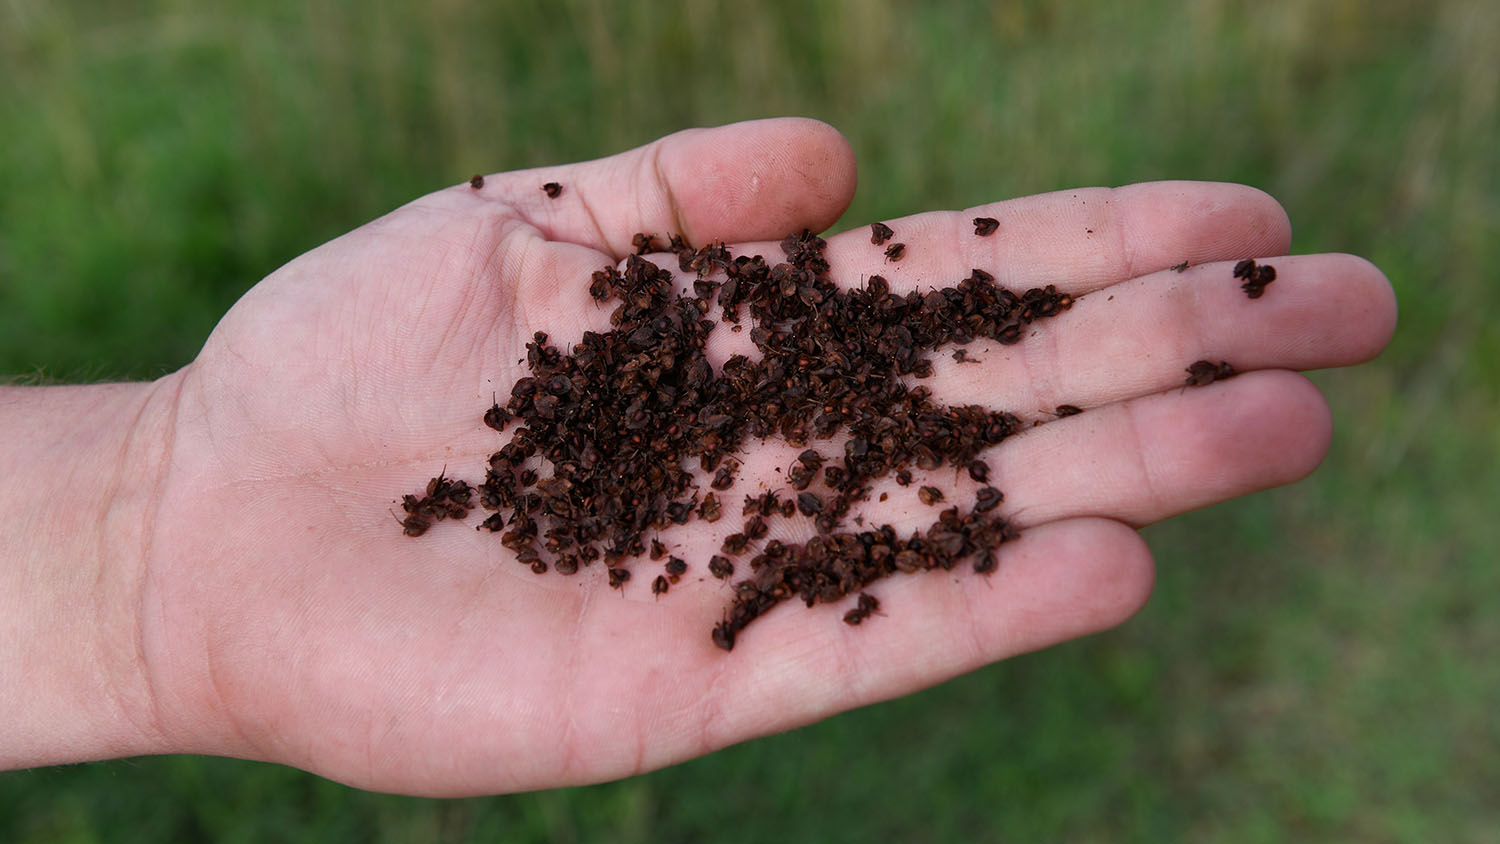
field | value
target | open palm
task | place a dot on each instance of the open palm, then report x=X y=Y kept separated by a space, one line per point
x=287 y=619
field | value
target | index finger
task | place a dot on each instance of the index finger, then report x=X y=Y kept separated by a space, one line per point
x=1080 y=240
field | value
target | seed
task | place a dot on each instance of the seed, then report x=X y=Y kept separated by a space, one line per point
x=708 y=511
x=755 y=527
x=1203 y=372
x=719 y=566
x=809 y=504
x=723 y=635
x=987 y=499
x=865 y=606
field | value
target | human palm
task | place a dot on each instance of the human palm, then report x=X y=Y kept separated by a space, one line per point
x=287 y=619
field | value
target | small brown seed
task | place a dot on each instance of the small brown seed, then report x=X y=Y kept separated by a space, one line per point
x=987 y=499
x=719 y=566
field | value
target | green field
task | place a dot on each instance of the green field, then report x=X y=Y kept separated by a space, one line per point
x=1317 y=662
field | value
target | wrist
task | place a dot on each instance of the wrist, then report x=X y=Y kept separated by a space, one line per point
x=82 y=468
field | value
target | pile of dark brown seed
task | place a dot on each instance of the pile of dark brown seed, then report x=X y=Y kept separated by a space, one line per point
x=618 y=419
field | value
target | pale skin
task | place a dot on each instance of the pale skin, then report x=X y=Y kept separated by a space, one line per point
x=208 y=563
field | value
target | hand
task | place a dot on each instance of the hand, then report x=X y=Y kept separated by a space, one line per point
x=284 y=617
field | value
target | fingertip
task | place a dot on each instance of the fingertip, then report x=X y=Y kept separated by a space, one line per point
x=1373 y=302
x=1200 y=222
x=1108 y=577
x=1260 y=226
x=1125 y=578
x=1274 y=424
x=1308 y=414
x=830 y=169
x=1269 y=227
x=760 y=179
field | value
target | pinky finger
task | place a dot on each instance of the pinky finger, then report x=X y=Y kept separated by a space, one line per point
x=1058 y=582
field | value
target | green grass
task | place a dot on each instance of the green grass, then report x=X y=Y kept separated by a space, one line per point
x=1317 y=662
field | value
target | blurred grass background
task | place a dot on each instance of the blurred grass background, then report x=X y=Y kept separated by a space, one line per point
x=1318 y=662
